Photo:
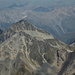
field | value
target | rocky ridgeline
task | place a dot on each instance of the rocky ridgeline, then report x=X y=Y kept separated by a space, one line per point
x=28 y=50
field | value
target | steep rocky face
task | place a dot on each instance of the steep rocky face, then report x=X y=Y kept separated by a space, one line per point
x=69 y=65
x=28 y=50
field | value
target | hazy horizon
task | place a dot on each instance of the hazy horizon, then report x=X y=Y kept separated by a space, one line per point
x=6 y=3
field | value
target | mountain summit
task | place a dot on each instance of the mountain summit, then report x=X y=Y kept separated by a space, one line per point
x=28 y=50
x=13 y=5
x=41 y=9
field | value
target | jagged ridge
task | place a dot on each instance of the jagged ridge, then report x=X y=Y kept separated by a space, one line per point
x=28 y=50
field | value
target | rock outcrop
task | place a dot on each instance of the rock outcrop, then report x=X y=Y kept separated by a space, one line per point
x=28 y=50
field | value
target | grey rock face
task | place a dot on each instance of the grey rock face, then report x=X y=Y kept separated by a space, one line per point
x=28 y=50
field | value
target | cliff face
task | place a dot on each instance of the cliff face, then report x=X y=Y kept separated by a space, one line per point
x=69 y=64
x=28 y=50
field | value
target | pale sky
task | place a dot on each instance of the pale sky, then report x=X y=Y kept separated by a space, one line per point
x=6 y=3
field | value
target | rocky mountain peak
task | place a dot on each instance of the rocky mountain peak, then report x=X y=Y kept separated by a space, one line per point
x=28 y=50
x=25 y=26
x=22 y=25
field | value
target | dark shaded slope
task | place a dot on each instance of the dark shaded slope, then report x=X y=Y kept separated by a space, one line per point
x=68 y=62
x=41 y=9
x=1 y=31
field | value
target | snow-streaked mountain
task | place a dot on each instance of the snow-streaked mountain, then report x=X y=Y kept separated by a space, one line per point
x=28 y=50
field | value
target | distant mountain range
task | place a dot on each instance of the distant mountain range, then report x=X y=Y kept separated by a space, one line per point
x=41 y=9
x=57 y=20
x=13 y=5
x=28 y=50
